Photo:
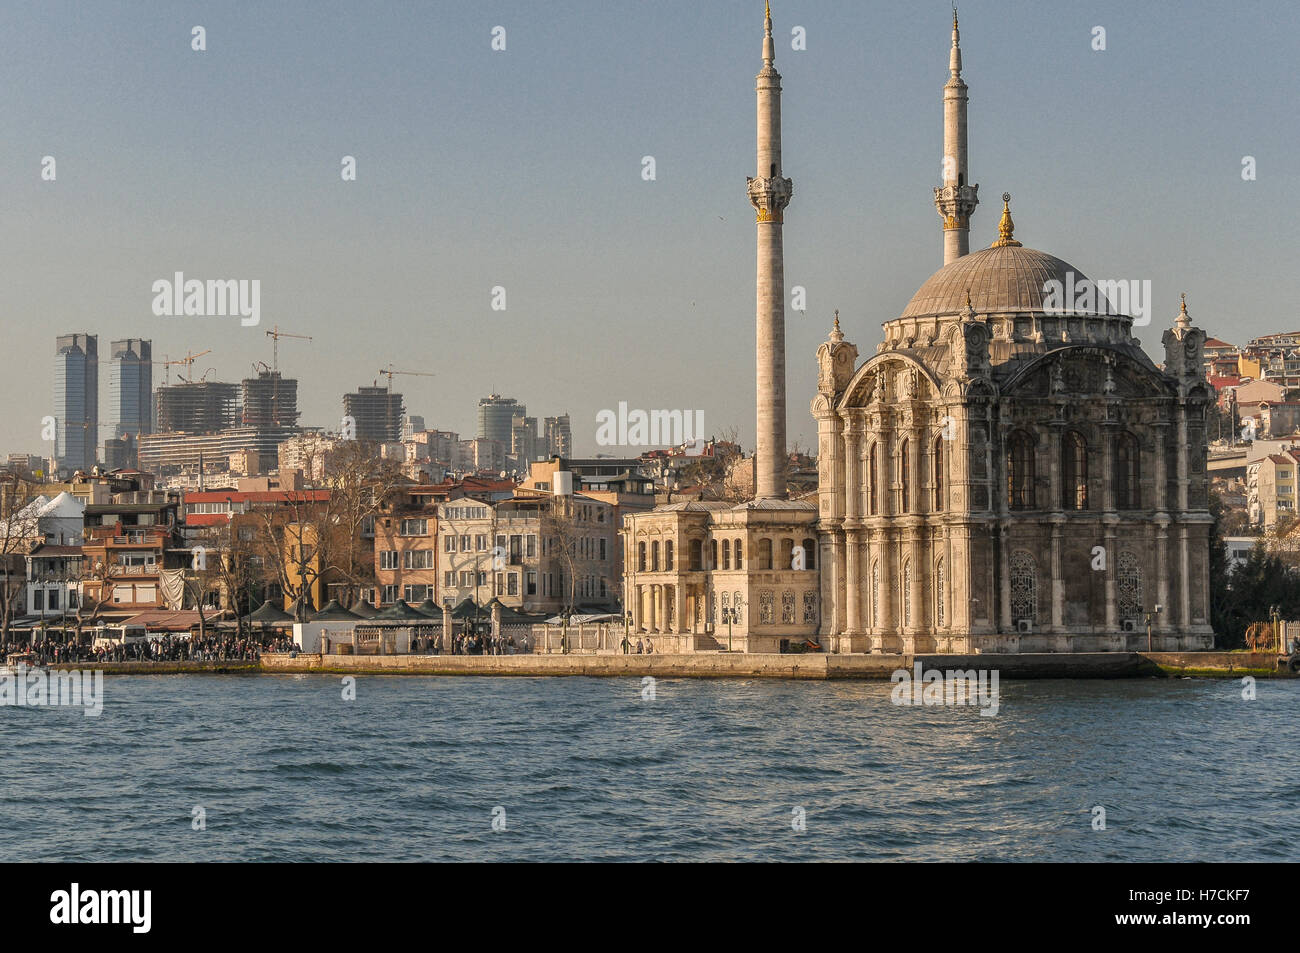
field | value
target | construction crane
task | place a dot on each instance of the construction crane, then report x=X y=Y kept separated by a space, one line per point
x=275 y=334
x=389 y=372
x=188 y=360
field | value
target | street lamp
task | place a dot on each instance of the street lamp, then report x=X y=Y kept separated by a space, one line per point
x=729 y=616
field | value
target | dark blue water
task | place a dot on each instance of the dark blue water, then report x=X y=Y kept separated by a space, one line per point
x=585 y=769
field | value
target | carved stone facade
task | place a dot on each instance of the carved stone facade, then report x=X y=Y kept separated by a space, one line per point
x=688 y=563
x=1000 y=477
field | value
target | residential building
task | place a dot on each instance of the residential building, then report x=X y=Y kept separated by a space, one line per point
x=55 y=574
x=406 y=551
x=559 y=436
x=1271 y=487
x=128 y=550
x=536 y=553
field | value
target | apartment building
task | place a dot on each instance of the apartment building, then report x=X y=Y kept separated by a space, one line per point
x=1271 y=487
x=127 y=549
x=535 y=552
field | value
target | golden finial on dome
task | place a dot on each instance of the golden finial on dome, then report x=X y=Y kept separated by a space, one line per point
x=1006 y=227
x=837 y=319
x=1184 y=319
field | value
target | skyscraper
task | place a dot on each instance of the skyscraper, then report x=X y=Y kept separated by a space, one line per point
x=131 y=387
x=559 y=436
x=496 y=416
x=76 y=400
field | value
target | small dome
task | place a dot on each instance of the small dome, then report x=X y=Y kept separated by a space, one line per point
x=1001 y=279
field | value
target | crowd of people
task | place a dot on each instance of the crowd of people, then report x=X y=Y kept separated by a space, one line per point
x=212 y=647
x=464 y=643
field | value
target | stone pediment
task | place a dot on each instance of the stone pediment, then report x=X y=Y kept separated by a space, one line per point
x=1084 y=371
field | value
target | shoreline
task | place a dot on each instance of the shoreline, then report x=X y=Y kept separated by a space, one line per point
x=815 y=667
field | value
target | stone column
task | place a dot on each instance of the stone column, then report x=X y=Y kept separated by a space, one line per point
x=1162 y=574
x=853 y=571
x=1112 y=556
x=1058 y=580
x=1004 y=568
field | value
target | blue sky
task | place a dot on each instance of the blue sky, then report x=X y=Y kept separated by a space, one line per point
x=522 y=169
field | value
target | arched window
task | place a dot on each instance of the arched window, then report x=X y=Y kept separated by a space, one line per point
x=809 y=553
x=740 y=562
x=640 y=557
x=904 y=476
x=697 y=555
x=654 y=556
x=764 y=554
x=940 y=597
x=809 y=606
x=872 y=485
x=668 y=555
x=1020 y=471
x=787 y=553
x=1074 y=472
x=726 y=554
x=907 y=593
x=1128 y=584
x=736 y=605
x=766 y=607
x=1128 y=491
x=713 y=554
x=1024 y=587
x=938 y=474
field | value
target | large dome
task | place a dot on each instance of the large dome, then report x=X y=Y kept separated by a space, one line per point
x=1001 y=279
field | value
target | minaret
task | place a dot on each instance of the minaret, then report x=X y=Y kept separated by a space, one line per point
x=955 y=200
x=769 y=193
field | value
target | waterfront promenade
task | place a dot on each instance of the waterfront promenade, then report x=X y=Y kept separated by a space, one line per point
x=811 y=666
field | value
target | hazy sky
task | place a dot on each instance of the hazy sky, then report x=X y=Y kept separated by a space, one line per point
x=523 y=168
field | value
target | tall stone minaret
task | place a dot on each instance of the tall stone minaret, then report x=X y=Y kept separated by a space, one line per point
x=956 y=199
x=769 y=193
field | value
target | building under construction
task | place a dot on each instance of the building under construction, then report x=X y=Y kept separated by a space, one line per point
x=197 y=407
x=376 y=414
x=270 y=400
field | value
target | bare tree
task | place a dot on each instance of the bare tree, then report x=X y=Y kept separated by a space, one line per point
x=316 y=535
x=361 y=485
x=19 y=526
x=563 y=536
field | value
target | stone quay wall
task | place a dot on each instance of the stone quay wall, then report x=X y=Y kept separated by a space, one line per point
x=796 y=666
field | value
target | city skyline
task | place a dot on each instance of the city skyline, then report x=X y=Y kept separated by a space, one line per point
x=521 y=178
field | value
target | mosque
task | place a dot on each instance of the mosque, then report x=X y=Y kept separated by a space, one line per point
x=1005 y=474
